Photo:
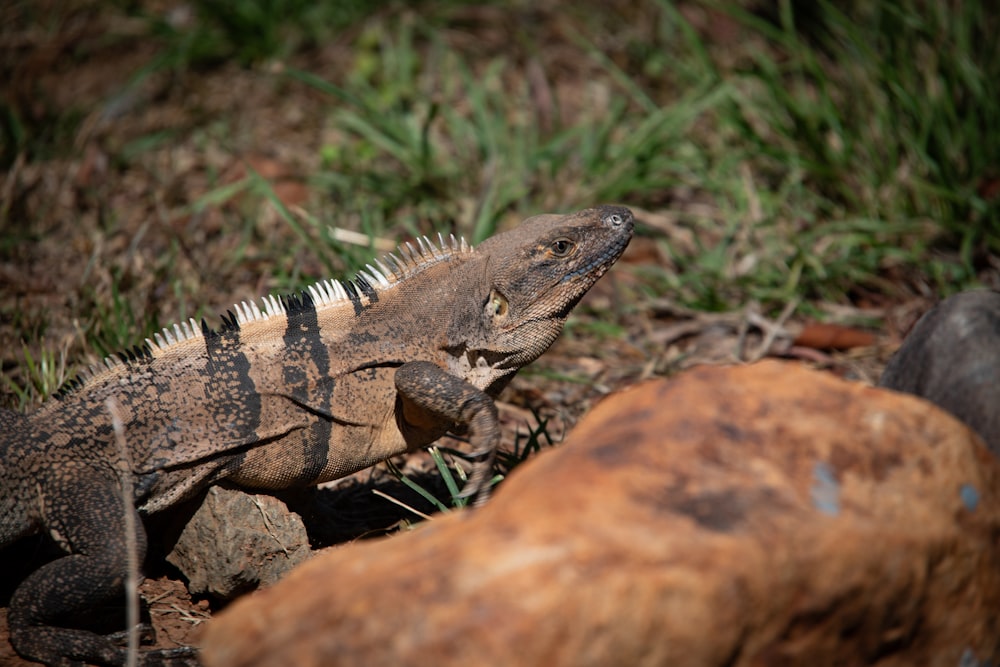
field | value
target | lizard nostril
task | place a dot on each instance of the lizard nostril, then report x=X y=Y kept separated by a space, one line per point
x=617 y=216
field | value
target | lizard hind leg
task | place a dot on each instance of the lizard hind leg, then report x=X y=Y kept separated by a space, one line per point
x=93 y=574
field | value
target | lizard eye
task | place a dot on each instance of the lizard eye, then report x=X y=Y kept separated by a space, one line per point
x=562 y=247
x=497 y=304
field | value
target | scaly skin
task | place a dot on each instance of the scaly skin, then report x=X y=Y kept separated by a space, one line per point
x=296 y=392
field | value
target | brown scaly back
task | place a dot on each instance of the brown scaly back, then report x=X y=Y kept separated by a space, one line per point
x=409 y=259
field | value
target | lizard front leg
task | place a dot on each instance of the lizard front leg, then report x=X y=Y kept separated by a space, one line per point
x=431 y=397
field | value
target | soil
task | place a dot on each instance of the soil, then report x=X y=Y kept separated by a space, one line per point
x=83 y=221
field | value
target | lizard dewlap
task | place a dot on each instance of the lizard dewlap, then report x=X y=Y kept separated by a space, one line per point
x=289 y=391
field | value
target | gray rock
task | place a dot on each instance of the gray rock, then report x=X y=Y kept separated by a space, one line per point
x=952 y=358
x=236 y=542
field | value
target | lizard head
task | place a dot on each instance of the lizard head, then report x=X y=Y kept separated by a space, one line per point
x=533 y=277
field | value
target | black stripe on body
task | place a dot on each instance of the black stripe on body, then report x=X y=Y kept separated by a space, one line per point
x=367 y=289
x=354 y=296
x=229 y=323
x=307 y=358
x=137 y=354
x=235 y=399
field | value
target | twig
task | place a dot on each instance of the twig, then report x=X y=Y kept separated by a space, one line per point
x=131 y=547
x=771 y=329
x=401 y=504
x=357 y=238
x=269 y=525
x=186 y=614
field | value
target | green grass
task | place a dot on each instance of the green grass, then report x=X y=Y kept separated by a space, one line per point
x=890 y=113
x=834 y=150
x=830 y=147
x=455 y=476
x=209 y=32
x=41 y=377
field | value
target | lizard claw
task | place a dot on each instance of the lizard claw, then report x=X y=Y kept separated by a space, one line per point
x=182 y=656
x=480 y=484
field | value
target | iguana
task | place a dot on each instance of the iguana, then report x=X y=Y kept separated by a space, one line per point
x=291 y=391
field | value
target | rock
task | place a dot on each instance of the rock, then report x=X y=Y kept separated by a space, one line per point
x=236 y=542
x=761 y=515
x=952 y=358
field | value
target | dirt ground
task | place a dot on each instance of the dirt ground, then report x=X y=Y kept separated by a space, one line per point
x=77 y=223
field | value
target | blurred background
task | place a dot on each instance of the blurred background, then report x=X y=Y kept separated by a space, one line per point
x=795 y=166
x=808 y=178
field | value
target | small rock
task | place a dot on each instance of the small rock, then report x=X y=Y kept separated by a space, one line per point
x=236 y=542
x=760 y=515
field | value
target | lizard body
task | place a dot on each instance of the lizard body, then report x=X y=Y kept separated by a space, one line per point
x=289 y=392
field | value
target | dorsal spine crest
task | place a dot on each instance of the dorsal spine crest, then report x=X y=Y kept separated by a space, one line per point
x=382 y=274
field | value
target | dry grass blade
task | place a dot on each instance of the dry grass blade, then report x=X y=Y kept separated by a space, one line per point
x=131 y=546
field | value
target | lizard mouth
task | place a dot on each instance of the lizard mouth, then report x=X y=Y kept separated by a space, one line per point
x=599 y=263
x=590 y=274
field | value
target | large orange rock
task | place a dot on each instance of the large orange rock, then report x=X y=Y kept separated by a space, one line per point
x=763 y=515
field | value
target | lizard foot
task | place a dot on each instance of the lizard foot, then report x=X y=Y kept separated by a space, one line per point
x=480 y=483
